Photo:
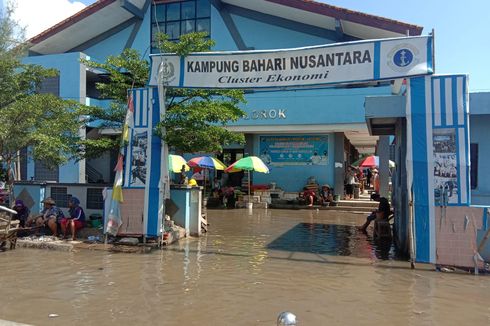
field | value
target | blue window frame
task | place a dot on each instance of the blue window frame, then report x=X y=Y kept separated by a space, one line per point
x=179 y=18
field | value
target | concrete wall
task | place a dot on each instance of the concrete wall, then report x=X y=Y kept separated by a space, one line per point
x=479 y=135
x=34 y=193
x=459 y=232
x=110 y=46
x=72 y=86
x=308 y=107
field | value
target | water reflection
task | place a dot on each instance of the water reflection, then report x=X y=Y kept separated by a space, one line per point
x=332 y=239
x=245 y=271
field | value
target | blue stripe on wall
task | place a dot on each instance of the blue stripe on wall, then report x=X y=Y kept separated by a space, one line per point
x=454 y=95
x=421 y=177
x=442 y=97
x=182 y=66
x=155 y=148
x=377 y=46
x=140 y=108
x=457 y=163
x=432 y=103
x=485 y=219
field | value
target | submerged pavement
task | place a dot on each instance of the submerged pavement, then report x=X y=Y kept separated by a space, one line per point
x=245 y=271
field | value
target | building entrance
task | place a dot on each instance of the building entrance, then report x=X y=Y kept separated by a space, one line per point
x=228 y=157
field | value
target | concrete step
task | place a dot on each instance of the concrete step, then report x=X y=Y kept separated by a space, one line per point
x=350 y=208
x=359 y=209
x=358 y=203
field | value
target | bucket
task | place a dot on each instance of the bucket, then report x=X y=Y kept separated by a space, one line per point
x=336 y=198
x=95 y=220
x=250 y=205
x=96 y=223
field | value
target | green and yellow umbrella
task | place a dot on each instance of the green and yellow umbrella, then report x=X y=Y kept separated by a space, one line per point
x=175 y=163
x=249 y=163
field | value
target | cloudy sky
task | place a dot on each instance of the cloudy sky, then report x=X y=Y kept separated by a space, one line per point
x=39 y=15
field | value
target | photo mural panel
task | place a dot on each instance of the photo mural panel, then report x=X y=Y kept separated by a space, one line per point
x=139 y=146
x=294 y=150
x=136 y=151
x=445 y=167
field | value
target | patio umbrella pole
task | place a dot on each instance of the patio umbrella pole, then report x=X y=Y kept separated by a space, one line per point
x=248 y=171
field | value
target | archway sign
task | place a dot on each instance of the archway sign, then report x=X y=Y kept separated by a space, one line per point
x=342 y=63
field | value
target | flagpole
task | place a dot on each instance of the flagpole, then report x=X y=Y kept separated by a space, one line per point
x=164 y=184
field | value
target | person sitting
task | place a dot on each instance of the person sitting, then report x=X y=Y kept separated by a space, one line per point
x=22 y=212
x=383 y=212
x=76 y=219
x=308 y=195
x=326 y=195
x=50 y=215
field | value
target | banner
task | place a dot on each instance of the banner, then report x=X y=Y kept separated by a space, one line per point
x=349 y=62
x=294 y=150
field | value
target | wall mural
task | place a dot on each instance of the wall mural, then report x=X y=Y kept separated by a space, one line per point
x=139 y=145
x=445 y=167
x=294 y=150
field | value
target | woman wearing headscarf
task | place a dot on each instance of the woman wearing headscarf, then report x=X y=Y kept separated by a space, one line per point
x=22 y=212
x=75 y=221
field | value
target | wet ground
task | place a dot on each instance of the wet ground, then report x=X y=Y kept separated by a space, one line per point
x=245 y=271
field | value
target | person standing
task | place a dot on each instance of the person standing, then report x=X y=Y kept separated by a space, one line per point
x=369 y=175
x=376 y=181
x=350 y=181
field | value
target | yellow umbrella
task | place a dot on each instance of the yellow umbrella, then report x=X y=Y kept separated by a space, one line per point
x=175 y=163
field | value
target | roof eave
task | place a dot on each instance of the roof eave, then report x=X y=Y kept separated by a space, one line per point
x=352 y=16
x=70 y=21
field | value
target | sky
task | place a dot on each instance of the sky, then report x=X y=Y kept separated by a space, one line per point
x=461 y=28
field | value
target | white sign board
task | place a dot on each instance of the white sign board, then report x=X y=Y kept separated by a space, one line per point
x=350 y=62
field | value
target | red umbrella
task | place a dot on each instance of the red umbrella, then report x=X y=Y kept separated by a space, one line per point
x=370 y=162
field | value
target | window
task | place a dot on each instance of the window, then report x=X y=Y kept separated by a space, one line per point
x=43 y=173
x=50 y=85
x=60 y=196
x=178 y=18
x=474 y=165
x=94 y=198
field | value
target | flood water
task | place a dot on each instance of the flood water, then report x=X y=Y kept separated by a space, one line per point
x=245 y=271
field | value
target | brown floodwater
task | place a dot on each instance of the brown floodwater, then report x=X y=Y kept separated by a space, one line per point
x=245 y=271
